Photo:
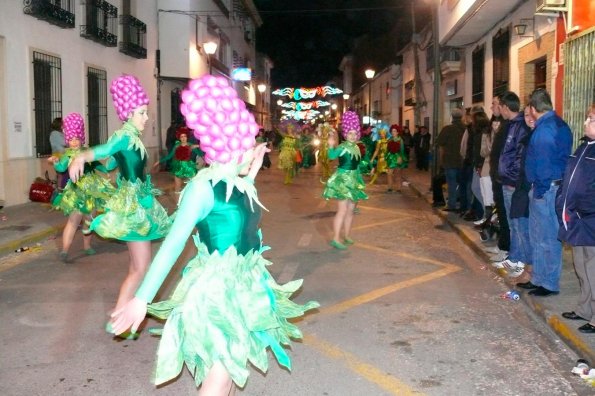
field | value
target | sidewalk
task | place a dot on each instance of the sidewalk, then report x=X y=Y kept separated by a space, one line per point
x=547 y=308
x=26 y=224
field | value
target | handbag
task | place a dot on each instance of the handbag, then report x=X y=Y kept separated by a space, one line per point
x=41 y=190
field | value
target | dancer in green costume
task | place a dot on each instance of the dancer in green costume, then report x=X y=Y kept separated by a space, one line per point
x=227 y=310
x=289 y=146
x=396 y=158
x=132 y=214
x=182 y=165
x=80 y=200
x=346 y=184
x=306 y=148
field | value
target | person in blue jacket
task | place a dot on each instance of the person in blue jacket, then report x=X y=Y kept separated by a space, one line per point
x=547 y=153
x=575 y=206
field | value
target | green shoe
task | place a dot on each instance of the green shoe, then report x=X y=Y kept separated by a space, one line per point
x=64 y=258
x=90 y=251
x=338 y=245
x=127 y=335
x=348 y=241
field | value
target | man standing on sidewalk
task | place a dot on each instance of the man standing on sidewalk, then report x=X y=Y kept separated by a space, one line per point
x=547 y=155
x=512 y=176
x=449 y=142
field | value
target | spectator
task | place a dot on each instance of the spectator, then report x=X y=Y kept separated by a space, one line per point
x=449 y=142
x=408 y=141
x=547 y=154
x=511 y=174
x=422 y=148
x=500 y=128
x=58 y=145
x=575 y=198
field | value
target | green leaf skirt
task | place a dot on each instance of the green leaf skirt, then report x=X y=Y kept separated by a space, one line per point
x=226 y=308
x=87 y=195
x=345 y=184
x=183 y=169
x=133 y=213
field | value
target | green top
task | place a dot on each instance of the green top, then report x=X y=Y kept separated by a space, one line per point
x=222 y=221
x=69 y=154
x=348 y=153
x=127 y=151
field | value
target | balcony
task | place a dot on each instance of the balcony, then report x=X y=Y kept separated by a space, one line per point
x=450 y=61
x=101 y=23
x=57 y=13
x=133 y=41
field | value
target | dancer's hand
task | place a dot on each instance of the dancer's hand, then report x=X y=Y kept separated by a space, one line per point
x=257 y=157
x=332 y=141
x=76 y=168
x=53 y=159
x=129 y=316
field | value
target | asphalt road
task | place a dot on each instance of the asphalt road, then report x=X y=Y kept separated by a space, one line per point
x=407 y=310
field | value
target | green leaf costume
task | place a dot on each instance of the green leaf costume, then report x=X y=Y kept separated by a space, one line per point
x=89 y=193
x=227 y=307
x=347 y=181
x=132 y=213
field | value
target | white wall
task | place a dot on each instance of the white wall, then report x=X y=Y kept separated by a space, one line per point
x=24 y=34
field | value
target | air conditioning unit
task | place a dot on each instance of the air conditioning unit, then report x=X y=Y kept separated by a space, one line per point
x=544 y=6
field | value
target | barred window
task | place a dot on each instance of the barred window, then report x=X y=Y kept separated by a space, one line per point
x=477 y=77
x=97 y=105
x=500 y=51
x=47 y=98
x=176 y=101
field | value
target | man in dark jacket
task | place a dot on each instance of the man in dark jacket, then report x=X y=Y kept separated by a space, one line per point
x=449 y=142
x=421 y=143
x=498 y=141
x=510 y=172
x=547 y=154
x=575 y=206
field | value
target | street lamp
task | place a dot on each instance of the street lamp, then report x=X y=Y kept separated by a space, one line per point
x=370 y=75
x=261 y=89
x=210 y=48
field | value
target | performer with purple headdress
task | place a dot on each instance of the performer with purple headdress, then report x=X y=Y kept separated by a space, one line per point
x=82 y=199
x=132 y=214
x=227 y=310
x=346 y=184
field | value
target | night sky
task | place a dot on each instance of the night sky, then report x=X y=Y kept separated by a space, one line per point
x=307 y=39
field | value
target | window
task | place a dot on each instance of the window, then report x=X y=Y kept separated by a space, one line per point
x=47 y=98
x=101 y=23
x=176 y=100
x=500 y=52
x=97 y=105
x=540 y=73
x=477 y=77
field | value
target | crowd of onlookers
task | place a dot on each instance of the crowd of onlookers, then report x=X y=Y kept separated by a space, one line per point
x=514 y=172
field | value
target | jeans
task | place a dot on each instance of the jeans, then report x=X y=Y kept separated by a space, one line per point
x=520 y=242
x=547 y=249
x=465 y=181
x=504 y=232
x=452 y=180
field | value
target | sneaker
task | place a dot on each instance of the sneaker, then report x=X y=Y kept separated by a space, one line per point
x=493 y=250
x=508 y=264
x=517 y=271
x=480 y=221
x=501 y=256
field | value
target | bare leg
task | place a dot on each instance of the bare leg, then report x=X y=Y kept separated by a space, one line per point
x=348 y=219
x=177 y=184
x=389 y=179
x=140 y=258
x=399 y=178
x=217 y=383
x=339 y=219
x=70 y=229
x=86 y=237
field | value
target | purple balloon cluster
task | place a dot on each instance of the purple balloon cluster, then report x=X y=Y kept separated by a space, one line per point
x=127 y=94
x=350 y=122
x=219 y=119
x=73 y=127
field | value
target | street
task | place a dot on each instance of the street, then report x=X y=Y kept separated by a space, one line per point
x=406 y=310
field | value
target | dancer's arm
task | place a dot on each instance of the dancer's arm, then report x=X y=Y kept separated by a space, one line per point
x=197 y=201
x=114 y=144
x=62 y=164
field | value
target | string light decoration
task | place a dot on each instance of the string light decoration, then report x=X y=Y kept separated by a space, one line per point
x=299 y=106
x=307 y=93
x=300 y=115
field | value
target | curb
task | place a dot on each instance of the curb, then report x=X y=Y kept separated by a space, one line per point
x=562 y=330
x=10 y=247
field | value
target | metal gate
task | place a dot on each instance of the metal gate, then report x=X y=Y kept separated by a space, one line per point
x=579 y=81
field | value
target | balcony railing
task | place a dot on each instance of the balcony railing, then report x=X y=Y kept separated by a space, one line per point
x=101 y=23
x=134 y=34
x=59 y=13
